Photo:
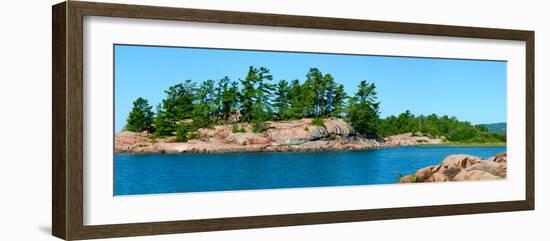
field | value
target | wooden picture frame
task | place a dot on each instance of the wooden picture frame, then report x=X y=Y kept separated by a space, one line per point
x=67 y=123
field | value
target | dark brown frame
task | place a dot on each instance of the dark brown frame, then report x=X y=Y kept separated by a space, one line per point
x=67 y=120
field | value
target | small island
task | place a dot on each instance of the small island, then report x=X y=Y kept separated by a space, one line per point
x=256 y=115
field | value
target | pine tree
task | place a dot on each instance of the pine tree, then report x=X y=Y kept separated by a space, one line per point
x=264 y=90
x=226 y=98
x=282 y=101
x=179 y=100
x=205 y=106
x=339 y=101
x=141 y=116
x=248 y=93
x=164 y=126
x=256 y=93
x=178 y=105
x=363 y=113
x=314 y=92
x=182 y=132
x=296 y=100
x=328 y=95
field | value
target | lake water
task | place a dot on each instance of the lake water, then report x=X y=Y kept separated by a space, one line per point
x=178 y=173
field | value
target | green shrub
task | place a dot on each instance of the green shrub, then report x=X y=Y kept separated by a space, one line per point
x=258 y=126
x=400 y=176
x=306 y=129
x=153 y=138
x=236 y=129
x=318 y=122
x=191 y=135
x=182 y=132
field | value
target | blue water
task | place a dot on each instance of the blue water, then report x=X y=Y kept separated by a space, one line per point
x=178 y=173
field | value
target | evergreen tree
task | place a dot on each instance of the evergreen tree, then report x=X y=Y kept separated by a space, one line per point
x=141 y=116
x=366 y=92
x=282 y=100
x=205 y=107
x=363 y=113
x=321 y=96
x=226 y=98
x=388 y=126
x=264 y=87
x=182 y=132
x=248 y=94
x=264 y=90
x=327 y=95
x=179 y=100
x=339 y=101
x=163 y=125
x=314 y=92
x=178 y=105
x=406 y=122
x=256 y=93
x=260 y=116
x=296 y=100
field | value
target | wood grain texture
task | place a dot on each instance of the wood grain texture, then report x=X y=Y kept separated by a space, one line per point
x=74 y=110
x=530 y=120
x=154 y=228
x=58 y=121
x=279 y=20
x=67 y=150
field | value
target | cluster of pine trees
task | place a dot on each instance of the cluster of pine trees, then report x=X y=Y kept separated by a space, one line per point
x=255 y=99
x=438 y=126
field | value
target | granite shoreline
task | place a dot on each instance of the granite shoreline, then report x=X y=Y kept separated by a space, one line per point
x=288 y=136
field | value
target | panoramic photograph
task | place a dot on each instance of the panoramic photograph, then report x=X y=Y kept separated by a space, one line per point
x=201 y=120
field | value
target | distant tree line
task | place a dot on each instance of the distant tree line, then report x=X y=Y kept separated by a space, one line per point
x=257 y=98
x=437 y=126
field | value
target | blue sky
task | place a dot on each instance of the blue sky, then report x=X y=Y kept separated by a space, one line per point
x=472 y=90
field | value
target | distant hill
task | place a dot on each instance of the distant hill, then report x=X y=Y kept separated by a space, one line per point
x=496 y=127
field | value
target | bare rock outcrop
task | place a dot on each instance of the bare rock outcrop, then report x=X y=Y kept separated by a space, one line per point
x=135 y=142
x=408 y=139
x=289 y=136
x=220 y=132
x=295 y=135
x=461 y=168
x=296 y=132
x=338 y=127
x=247 y=139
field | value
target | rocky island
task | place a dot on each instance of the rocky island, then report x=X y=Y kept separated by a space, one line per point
x=255 y=115
x=294 y=135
